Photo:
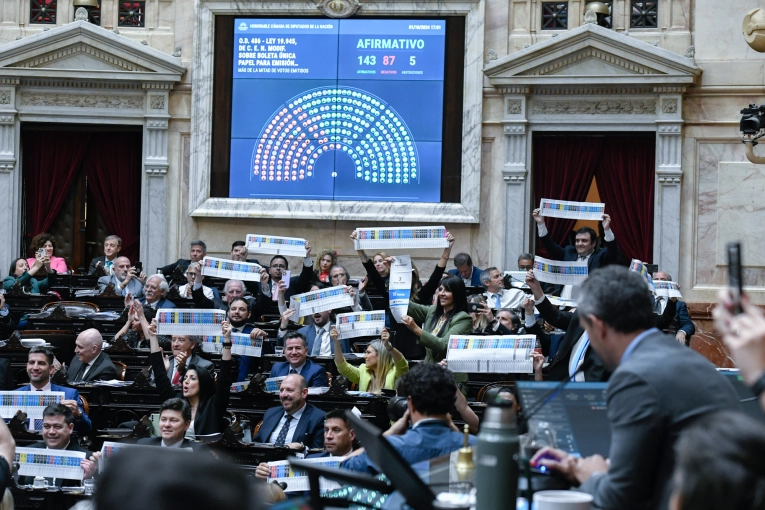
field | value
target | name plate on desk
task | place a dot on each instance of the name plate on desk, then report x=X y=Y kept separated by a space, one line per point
x=231 y=269
x=498 y=354
x=297 y=480
x=356 y=324
x=321 y=300
x=394 y=238
x=30 y=402
x=49 y=463
x=193 y=321
x=242 y=345
x=275 y=245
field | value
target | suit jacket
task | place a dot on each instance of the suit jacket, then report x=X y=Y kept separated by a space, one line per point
x=32 y=285
x=557 y=370
x=652 y=397
x=194 y=359
x=6 y=377
x=95 y=261
x=258 y=303
x=169 y=269
x=7 y=327
x=196 y=446
x=314 y=374
x=599 y=258
x=134 y=286
x=310 y=335
x=309 y=431
x=680 y=320
x=83 y=426
x=102 y=370
x=162 y=303
x=60 y=482
x=298 y=284
x=475 y=278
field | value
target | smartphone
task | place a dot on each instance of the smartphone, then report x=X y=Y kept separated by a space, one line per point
x=476 y=308
x=41 y=252
x=138 y=267
x=734 y=275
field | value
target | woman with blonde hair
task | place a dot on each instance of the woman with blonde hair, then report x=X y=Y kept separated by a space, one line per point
x=383 y=364
x=324 y=262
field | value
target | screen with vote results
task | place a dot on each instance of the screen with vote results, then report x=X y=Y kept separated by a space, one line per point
x=329 y=109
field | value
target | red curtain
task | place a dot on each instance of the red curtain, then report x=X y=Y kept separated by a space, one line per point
x=563 y=170
x=625 y=177
x=113 y=169
x=51 y=163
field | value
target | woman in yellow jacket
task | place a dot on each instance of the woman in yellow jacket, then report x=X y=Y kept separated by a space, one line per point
x=383 y=364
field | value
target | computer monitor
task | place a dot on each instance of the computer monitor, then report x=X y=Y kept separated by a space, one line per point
x=749 y=403
x=577 y=414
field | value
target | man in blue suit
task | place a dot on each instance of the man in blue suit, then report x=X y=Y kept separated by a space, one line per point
x=296 y=352
x=296 y=423
x=682 y=323
x=470 y=274
x=429 y=390
x=40 y=369
x=154 y=293
x=317 y=334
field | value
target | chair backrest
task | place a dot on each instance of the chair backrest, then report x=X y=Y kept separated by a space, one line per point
x=63 y=340
x=121 y=369
x=85 y=405
x=498 y=384
x=73 y=308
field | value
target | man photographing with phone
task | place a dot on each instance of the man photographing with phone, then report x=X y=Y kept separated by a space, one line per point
x=126 y=279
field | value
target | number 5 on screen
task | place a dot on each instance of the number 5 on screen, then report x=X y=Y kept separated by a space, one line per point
x=412 y=60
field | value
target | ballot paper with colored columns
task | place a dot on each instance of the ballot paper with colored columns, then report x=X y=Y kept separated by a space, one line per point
x=231 y=269
x=176 y=321
x=642 y=270
x=400 y=286
x=517 y=279
x=49 y=463
x=276 y=245
x=559 y=272
x=356 y=324
x=297 y=480
x=400 y=238
x=32 y=403
x=667 y=289
x=242 y=345
x=571 y=210
x=509 y=354
x=322 y=300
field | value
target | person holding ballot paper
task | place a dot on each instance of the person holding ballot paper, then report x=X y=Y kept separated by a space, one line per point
x=383 y=364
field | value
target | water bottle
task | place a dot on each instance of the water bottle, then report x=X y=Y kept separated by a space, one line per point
x=496 y=474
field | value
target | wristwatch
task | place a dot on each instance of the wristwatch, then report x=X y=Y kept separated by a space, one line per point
x=759 y=386
x=225 y=344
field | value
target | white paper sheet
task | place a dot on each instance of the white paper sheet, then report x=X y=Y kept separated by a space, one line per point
x=491 y=354
x=356 y=324
x=49 y=463
x=176 y=321
x=310 y=303
x=370 y=238
x=667 y=289
x=400 y=286
x=571 y=210
x=640 y=268
x=559 y=272
x=243 y=345
x=276 y=245
x=231 y=269
x=297 y=480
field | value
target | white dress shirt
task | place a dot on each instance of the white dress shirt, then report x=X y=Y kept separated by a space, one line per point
x=508 y=298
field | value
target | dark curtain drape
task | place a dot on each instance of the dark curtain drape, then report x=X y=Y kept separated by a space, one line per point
x=563 y=170
x=112 y=166
x=51 y=164
x=625 y=177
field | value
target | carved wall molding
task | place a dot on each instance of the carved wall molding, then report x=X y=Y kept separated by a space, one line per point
x=156 y=124
x=669 y=105
x=157 y=102
x=157 y=86
x=100 y=101
x=57 y=83
x=156 y=171
x=587 y=54
x=77 y=49
x=339 y=8
x=514 y=129
x=606 y=107
x=7 y=166
x=513 y=106
x=9 y=81
x=5 y=97
x=669 y=89
x=673 y=129
x=513 y=90
x=7 y=119
x=559 y=90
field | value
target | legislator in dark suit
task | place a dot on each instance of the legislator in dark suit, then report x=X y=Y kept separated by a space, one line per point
x=169 y=269
x=6 y=377
x=475 y=276
x=597 y=259
x=134 y=287
x=660 y=389
x=161 y=303
x=101 y=369
x=196 y=446
x=59 y=482
x=309 y=430
x=102 y=260
x=81 y=426
x=194 y=359
x=309 y=332
x=314 y=374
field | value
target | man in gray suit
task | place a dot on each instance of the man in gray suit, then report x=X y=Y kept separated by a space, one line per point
x=124 y=279
x=657 y=389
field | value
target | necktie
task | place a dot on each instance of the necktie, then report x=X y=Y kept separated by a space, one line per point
x=658 y=305
x=579 y=355
x=317 y=342
x=293 y=371
x=176 y=377
x=497 y=301
x=109 y=265
x=283 y=433
x=80 y=373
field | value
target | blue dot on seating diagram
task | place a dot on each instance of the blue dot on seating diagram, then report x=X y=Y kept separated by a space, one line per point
x=327 y=119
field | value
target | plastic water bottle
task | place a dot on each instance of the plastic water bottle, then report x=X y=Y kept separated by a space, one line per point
x=497 y=453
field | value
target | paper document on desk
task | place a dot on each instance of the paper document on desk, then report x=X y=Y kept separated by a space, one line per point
x=400 y=286
x=297 y=480
x=559 y=272
x=571 y=210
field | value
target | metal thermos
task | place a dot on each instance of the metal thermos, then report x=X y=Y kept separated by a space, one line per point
x=497 y=453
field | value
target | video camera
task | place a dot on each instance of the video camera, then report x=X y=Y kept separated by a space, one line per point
x=752 y=120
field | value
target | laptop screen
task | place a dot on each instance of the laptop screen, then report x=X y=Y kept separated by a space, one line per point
x=576 y=414
x=749 y=404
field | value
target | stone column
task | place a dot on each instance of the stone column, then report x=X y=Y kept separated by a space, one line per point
x=154 y=189
x=666 y=229
x=514 y=173
x=10 y=178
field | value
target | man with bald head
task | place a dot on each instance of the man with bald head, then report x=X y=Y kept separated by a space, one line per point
x=124 y=278
x=90 y=364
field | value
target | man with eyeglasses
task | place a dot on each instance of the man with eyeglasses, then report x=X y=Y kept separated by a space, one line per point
x=338 y=275
x=298 y=284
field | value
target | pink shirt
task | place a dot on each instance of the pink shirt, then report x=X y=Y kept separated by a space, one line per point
x=56 y=263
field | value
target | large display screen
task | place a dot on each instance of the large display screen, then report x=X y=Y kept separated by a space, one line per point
x=329 y=109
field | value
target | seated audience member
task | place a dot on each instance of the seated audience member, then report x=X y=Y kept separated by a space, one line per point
x=112 y=247
x=124 y=278
x=378 y=271
x=296 y=353
x=135 y=332
x=40 y=369
x=383 y=364
x=238 y=315
x=296 y=423
x=174 y=421
x=239 y=252
x=7 y=325
x=463 y=265
x=183 y=347
x=616 y=308
x=194 y=274
x=338 y=275
x=161 y=479
x=22 y=273
x=298 y=284
x=45 y=241
x=430 y=391
x=525 y=262
x=324 y=262
x=681 y=322
x=317 y=334
x=154 y=291
x=197 y=252
x=208 y=401
x=231 y=289
x=432 y=325
x=497 y=296
x=58 y=425
x=744 y=336
x=338 y=440
x=584 y=249
x=90 y=362
x=720 y=464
